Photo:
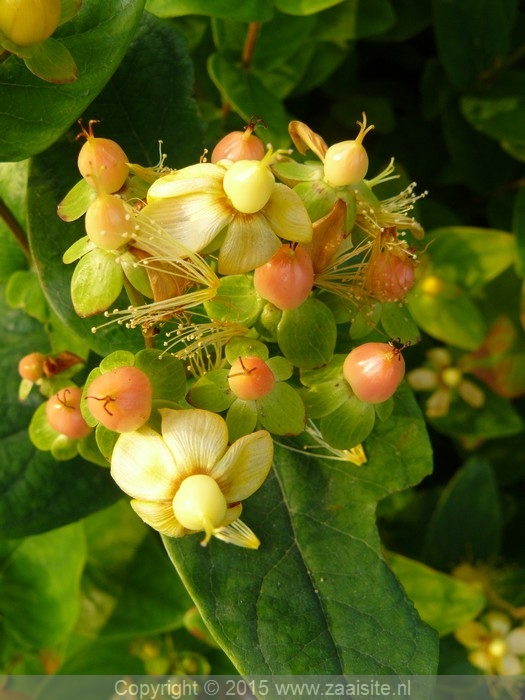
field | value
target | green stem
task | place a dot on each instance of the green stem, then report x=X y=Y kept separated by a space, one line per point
x=18 y=232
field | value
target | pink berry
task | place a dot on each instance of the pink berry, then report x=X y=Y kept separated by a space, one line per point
x=31 y=367
x=63 y=413
x=250 y=378
x=102 y=163
x=121 y=399
x=239 y=145
x=287 y=279
x=374 y=371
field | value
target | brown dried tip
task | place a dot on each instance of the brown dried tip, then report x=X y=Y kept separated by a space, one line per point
x=63 y=361
x=304 y=138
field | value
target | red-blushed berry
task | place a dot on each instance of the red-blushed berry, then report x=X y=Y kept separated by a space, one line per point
x=109 y=222
x=374 y=371
x=63 y=413
x=240 y=145
x=29 y=22
x=121 y=399
x=102 y=163
x=250 y=378
x=31 y=367
x=287 y=278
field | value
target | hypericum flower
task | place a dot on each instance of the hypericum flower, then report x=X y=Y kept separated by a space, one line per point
x=495 y=648
x=444 y=380
x=188 y=480
x=193 y=206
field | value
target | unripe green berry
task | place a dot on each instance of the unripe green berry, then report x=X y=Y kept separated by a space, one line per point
x=346 y=162
x=249 y=185
x=199 y=504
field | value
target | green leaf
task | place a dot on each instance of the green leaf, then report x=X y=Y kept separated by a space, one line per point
x=165 y=372
x=355 y=20
x=236 y=301
x=77 y=200
x=37 y=493
x=247 y=95
x=397 y=322
x=307 y=334
x=237 y=10
x=518 y=227
x=128 y=579
x=40 y=587
x=96 y=283
x=282 y=411
x=447 y=314
x=52 y=61
x=304 y=7
x=97 y=39
x=443 y=602
x=212 y=391
x=466 y=524
x=470 y=256
x=349 y=424
x=312 y=589
x=472 y=35
x=499 y=111
x=13 y=191
x=241 y=418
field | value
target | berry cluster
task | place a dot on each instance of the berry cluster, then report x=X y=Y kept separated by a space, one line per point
x=260 y=273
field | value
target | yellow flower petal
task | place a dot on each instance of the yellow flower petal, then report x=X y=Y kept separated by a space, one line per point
x=471 y=393
x=287 y=215
x=194 y=220
x=159 y=516
x=143 y=466
x=201 y=177
x=197 y=439
x=509 y=665
x=249 y=243
x=422 y=379
x=245 y=466
x=516 y=641
x=238 y=533
x=471 y=635
x=438 y=403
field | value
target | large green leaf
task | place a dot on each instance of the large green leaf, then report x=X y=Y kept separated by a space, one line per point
x=238 y=10
x=466 y=524
x=157 y=59
x=472 y=35
x=40 y=586
x=37 y=494
x=97 y=39
x=317 y=597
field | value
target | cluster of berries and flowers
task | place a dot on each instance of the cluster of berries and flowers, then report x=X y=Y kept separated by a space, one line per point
x=252 y=278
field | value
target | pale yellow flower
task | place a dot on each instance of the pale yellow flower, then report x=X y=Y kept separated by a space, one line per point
x=495 y=648
x=187 y=479
x=193 y=207
x=444 y=380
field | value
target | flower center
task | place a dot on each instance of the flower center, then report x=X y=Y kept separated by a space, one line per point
x=199 y=504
